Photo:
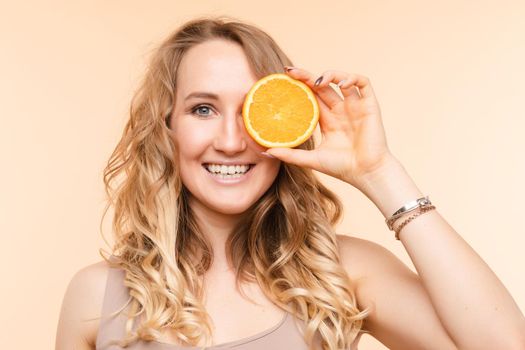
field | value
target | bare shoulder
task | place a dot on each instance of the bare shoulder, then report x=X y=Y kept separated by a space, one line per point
x=362 y=258
x=394 y=294
x=82 y=307
x=371 y=267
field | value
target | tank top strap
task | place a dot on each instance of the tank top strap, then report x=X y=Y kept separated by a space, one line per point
x=116 y=296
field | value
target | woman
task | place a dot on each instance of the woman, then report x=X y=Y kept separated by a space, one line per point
x=251 y=260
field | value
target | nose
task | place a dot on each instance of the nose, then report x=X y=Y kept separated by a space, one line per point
x=231 y=134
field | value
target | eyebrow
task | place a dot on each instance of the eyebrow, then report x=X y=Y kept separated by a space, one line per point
x=202 y=95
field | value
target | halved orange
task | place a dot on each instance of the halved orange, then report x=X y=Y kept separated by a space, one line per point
x=280 y=111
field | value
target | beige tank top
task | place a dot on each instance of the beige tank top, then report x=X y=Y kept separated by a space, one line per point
x=284 y=335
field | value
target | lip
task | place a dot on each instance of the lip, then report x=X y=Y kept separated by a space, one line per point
x=228 y=162
x=241 y=179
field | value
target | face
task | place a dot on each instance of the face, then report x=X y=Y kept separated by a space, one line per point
x=219 y=162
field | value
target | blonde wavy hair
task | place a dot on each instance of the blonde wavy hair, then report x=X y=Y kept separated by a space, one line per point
x=285 y=242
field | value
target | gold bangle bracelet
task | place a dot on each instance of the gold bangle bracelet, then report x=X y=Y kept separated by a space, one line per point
x=422 y=210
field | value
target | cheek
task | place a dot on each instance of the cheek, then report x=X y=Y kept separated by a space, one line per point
x=271 y=168
x=191 y=141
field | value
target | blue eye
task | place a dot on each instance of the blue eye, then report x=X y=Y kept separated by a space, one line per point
x=201 y=108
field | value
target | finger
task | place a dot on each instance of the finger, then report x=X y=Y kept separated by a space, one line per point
x=343 y=81
x=326 y=119
x=352 y=94
x=353 y=86
x=339 y=78
x=360 y=82
x=325 y=92
x=295 y=156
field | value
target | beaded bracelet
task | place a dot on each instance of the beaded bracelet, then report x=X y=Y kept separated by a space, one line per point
x=422 y=210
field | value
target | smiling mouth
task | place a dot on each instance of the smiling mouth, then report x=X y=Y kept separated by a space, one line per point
x=237 y=171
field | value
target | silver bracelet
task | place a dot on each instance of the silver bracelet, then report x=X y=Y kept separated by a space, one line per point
x=407 y=208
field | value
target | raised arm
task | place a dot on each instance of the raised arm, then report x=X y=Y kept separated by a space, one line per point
x=473 y=305
x=475 y=309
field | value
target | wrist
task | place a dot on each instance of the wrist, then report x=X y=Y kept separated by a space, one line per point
x=389 y=167
x=389 y=187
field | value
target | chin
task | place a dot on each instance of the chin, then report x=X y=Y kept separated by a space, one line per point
x=231 y=209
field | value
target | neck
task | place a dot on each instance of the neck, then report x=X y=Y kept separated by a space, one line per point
x=216 y=227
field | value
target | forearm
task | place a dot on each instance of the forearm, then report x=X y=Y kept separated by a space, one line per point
x=472 y=303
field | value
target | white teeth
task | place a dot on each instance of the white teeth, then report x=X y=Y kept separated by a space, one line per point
x=227 y=169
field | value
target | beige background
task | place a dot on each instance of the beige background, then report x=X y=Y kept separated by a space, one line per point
x=449 y=77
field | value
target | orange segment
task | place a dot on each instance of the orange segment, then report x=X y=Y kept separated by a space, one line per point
x=280 y=111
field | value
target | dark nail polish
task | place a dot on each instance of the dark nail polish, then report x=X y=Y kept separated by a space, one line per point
x=318 y=81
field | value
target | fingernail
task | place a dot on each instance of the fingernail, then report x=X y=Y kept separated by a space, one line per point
x=341 y=82
x=267 y=155
x=288 y=68
x=318 y=81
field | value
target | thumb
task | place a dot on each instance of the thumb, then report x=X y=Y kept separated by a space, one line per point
x=294 y=156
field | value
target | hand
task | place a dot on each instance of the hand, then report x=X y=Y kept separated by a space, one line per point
x=353 y=141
